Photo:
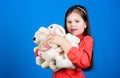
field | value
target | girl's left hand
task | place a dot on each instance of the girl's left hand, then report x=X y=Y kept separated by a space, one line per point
x=56 y=39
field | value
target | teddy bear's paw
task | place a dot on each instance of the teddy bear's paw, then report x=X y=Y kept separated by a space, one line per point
x=72 y=39
x=64 y=64
x=60 y=63
x=56 y=69
x=46 y=56
x=35 y=48
x=45 y=65
x=53 y=67
x=38 y=61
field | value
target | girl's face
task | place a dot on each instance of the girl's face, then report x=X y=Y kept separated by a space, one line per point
x=75 y=24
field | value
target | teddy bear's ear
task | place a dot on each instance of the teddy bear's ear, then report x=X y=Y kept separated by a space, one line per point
x=62 y=30
x=52 y=28
x=56 y=29
x=43 y=30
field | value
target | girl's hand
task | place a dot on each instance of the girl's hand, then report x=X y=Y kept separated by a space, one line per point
x=56 y=39
x=61 y=41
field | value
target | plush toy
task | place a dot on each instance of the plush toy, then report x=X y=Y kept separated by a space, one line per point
x=44 y=48
x=40 y=35
x=65 y=62
x=55 y=50
x=54 y=29
x=53 y=56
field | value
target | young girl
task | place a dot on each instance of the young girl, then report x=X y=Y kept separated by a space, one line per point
x=76 y=23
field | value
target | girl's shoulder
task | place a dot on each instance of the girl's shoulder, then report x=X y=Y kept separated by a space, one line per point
x=88 y=38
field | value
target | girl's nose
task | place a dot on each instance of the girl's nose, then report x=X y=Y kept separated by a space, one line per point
x=72 y=24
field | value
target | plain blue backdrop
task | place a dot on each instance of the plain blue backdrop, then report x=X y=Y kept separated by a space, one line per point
x=19 y=19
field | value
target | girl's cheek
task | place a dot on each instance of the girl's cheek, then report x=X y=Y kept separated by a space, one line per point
x=68 y=28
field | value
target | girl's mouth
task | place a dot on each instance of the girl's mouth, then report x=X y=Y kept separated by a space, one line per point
x=73 y=30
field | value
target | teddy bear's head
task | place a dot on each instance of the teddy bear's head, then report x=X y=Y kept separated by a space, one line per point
x=41 y=34
x=56 y=29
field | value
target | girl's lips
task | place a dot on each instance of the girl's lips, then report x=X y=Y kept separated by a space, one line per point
x=72 y=30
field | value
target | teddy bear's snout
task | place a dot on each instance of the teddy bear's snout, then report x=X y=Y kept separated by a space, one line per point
x=34 y=38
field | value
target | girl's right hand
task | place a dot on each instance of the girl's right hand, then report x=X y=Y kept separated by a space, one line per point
x=61 y=41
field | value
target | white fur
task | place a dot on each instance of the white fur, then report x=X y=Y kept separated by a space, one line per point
x=53 y=54
x=41 y=34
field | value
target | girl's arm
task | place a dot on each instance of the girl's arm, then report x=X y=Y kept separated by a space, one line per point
x=81 y=57
x=62 y=42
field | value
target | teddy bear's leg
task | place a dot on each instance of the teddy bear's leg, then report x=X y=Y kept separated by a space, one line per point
x=62 y=62
x=50 y=54
x=38 y=61
x=52 y=65
x=65 y=64
x=45 y=64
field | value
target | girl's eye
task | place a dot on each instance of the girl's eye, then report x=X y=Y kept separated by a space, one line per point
x=69 y=22
x=77 y=21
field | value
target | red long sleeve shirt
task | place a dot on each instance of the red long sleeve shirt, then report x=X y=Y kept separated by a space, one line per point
x=80 y=57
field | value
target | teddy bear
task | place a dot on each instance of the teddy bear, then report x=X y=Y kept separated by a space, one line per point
x=42 y=51
x=65 y=62
x=41 y=34
x=55 y=58
x=62 y=61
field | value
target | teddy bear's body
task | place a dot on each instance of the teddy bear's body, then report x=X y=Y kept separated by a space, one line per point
x=54 y=57
x=65 y=62
x=43 y=51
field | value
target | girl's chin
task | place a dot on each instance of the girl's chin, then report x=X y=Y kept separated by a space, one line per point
x=73 y=33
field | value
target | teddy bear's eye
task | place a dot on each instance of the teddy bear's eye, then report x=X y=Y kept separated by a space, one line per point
x=51 y=27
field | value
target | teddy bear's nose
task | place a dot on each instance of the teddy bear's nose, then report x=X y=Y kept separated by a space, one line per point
x=34 y=39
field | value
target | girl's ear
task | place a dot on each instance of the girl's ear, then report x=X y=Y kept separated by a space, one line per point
x=85 y=26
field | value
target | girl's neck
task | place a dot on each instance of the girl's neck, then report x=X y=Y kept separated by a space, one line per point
x=80 y=36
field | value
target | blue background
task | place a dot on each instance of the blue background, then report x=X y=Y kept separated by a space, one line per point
x=19 y=19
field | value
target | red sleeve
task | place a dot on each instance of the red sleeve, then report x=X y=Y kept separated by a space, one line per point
x=81 y=56
x=36 y=52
